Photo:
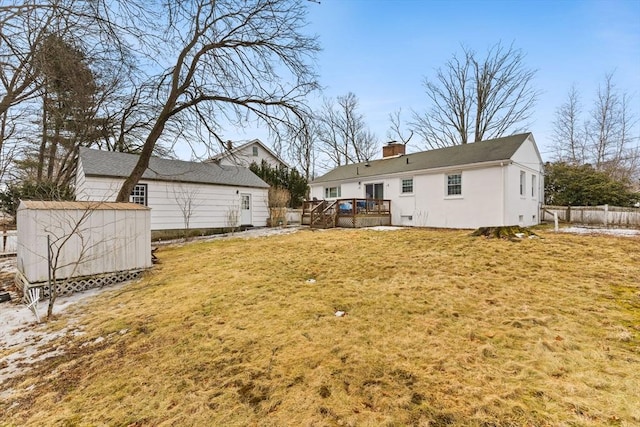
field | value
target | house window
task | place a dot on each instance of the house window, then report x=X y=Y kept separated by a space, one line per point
x=331 y=192
x=139 y=194
x=454 y=184
x=255 y=151
x=407 y=186
x=523 y=181
x=533 y=186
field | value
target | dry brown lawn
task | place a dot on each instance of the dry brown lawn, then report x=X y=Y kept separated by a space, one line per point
x=442 y=329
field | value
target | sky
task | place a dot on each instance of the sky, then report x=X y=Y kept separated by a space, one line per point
x=382 y=50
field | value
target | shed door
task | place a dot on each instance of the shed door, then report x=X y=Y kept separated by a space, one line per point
x=245 y=209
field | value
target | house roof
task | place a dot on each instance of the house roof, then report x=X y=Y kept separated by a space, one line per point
x=79 y=205
x=235 y=150
x=99 y=163
x=459 y=155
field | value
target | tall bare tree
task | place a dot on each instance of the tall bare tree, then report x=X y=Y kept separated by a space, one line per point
x=343 y=133
x=236 y=60
x=303 y=147
x=395 y=132
x=475 y=97
x=604 y=136
x=568 y=133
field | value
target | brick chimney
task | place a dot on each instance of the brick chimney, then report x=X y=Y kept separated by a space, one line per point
x=393 y=149
x=229 y=145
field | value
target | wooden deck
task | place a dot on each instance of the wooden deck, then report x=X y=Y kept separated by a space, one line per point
x=348 y=213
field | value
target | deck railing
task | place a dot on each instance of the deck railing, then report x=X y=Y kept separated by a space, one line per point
x=353 y=207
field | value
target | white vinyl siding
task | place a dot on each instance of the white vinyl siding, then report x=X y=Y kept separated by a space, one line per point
x=211 y=204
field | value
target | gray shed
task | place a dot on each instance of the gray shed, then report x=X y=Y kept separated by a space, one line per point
x=101 y=243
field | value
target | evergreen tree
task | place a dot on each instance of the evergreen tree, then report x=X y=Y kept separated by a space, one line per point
x=282 y=177
x=582 y=185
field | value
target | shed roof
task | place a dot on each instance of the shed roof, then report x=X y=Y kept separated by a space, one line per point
x=478 y=152
x=119 y=165
x=78 y=205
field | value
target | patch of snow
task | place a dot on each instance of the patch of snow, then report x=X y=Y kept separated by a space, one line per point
x=625 y=232
x=27 y=339
x=247 y=234
x=384 y=228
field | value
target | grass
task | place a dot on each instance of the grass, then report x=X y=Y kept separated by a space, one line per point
x=441 y=329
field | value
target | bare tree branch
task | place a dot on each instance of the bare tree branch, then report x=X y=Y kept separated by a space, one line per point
x=473 y=98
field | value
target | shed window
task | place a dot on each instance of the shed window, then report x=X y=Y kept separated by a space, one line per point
x=523 y=182
x=331 y=192
x=407 y=186
x=139 y=194
x=454 y=184
x=255 y=151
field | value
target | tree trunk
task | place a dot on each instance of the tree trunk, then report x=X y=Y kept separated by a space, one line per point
x=43 y=142
x=143 y=160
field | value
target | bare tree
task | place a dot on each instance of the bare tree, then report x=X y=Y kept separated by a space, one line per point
x=233 y=217
x=610 y=127
x=186 y=198
x=605 y=137
x=233 y=59
x=112 y=36
x=395 y=132
x=303 y=146
x=70 y=230
x=568 y=135
x=475 y=98
x=343 y=133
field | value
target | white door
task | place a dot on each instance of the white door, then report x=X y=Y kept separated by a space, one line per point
x=245 y=209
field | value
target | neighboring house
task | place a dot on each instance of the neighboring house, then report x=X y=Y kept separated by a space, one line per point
x=498 y=182
x=180 y=194
x=245 y=154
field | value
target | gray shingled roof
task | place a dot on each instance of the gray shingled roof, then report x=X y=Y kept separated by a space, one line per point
x=459 y=155
x=119 y=165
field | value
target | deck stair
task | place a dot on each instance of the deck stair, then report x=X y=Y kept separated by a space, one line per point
x=323 y=215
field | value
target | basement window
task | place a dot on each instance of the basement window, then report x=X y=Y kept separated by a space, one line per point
x=139 y=194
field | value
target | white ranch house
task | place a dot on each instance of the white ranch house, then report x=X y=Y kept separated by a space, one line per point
x=498 y=182
x=212 y=195
x=247 y=153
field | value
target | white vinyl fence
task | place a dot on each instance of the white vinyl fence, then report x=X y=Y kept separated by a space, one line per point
x=606 y=216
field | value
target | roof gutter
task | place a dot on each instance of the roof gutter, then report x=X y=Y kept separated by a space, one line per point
x=430 y=171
